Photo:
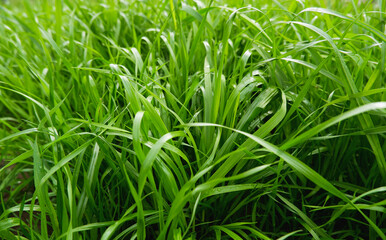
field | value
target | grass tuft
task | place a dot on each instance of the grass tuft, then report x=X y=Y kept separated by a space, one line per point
x=188 y=119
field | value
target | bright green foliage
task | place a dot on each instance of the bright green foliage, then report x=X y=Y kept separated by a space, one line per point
x=188 y=119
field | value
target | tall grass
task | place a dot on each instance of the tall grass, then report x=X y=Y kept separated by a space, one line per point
x=188 y=119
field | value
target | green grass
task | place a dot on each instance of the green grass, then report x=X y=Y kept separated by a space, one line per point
x=188 y=119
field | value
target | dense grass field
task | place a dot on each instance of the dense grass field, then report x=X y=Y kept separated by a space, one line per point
x=188 y=119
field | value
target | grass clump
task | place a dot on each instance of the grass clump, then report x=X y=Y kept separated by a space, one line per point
x=192 y=119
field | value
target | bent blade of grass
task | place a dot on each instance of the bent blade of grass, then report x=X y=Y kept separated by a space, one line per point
x=346 y=115
x=354 y=200
x=350 y=19
x=244 y=226
x=112 y=228
x=288 y=235
x=229 y=232
x=20 y=133
x=18 y=159
x=232 y=188
x=8 y=223
x=64 y=161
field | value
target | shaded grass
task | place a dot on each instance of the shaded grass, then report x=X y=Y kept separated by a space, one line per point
x=192 y=120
